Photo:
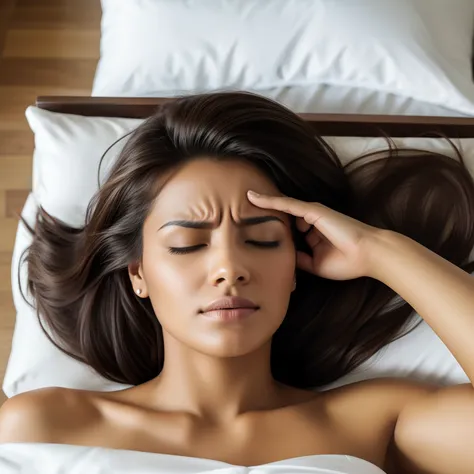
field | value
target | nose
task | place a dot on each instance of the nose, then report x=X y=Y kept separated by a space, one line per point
x=228 y=268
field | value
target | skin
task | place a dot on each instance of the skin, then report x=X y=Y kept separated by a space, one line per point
x=216 y=398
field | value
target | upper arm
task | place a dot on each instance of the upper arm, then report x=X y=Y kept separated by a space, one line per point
x=25 y=418
x=434 y=433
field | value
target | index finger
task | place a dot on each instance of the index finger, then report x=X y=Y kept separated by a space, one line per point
x=307 y=210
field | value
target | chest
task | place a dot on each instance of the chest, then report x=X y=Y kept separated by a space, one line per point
x=253 y=440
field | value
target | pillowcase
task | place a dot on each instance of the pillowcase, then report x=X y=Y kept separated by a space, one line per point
x=66 y=157
x=329 y=99
x=67 y=152
x=414 y=48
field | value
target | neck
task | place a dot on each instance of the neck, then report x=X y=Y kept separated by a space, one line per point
x=216 y=388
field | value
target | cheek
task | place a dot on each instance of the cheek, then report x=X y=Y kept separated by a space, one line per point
x=169 y=285
x=278 y=282
x=279 y=268
x=168 y=278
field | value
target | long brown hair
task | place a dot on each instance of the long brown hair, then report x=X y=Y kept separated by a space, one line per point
x=79 y=276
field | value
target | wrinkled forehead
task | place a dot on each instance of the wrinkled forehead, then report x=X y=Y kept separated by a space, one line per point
x=205 y=187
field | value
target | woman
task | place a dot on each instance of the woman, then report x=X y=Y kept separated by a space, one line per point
x=224 y=308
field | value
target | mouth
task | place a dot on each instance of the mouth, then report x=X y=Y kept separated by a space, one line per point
x=229 y=314
x=226 y=303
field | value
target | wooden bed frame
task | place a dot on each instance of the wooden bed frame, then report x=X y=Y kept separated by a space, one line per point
x=324 y=124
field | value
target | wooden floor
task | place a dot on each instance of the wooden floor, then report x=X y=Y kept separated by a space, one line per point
x=48 y=47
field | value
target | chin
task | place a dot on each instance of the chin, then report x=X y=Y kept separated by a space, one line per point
x=227 y=348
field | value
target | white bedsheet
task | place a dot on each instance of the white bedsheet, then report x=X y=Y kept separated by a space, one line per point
x=43 y=458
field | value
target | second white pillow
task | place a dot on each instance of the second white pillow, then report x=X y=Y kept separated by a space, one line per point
x=414 y=48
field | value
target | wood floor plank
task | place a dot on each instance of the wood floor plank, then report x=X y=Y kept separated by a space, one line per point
x=57 y=17
x=5 y=258
x=18 y=96
x=5 y=277
x=73 y=73
x=12 y=118
x=8 y=227
x=6 y=13
x=16 y=142
x=7 y=311
x=15 y=171
x=13 y=103
x=58 y=43
x=3 y=204
x=15 y=100
x=14 y=201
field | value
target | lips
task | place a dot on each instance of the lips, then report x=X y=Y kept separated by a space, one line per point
x=229 y=302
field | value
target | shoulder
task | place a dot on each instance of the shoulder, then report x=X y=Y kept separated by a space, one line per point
x=428 y=426
x=41 y=415
x=369 y=411
x=390 y=397
x=373 y=405
x=394 y=393
x=433 y=430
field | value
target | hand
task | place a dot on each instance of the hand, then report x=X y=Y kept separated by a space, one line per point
x=340 y=244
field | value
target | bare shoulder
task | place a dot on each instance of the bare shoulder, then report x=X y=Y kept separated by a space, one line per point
x=430 y=426
x=395 y=392
x=38 y=416
x=368 y=411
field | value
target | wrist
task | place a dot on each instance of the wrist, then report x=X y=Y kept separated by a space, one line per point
x=379 y=248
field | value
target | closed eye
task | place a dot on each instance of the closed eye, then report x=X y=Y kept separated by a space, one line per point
x=185 y=250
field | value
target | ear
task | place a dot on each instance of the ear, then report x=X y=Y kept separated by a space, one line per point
x=135 y=272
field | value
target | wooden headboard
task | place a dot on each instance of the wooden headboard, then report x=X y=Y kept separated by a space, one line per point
x=324 y=124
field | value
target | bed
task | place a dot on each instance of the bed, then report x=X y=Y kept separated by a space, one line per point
x=66 y=132
x=71 y=133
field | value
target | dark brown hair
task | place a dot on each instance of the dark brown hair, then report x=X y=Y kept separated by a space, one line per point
x=79 y=276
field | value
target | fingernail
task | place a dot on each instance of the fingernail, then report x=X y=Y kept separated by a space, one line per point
x=253 y=194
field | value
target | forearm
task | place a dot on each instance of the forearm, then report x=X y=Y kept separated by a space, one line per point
x=440 y=292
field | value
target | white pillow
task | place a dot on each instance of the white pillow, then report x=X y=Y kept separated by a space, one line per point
x=67 y=153
x=329 y=99
x=414 y=48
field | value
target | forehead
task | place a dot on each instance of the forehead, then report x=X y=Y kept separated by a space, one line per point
x=204 y=183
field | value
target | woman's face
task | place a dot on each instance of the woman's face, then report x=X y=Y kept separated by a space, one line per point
x=224 y=258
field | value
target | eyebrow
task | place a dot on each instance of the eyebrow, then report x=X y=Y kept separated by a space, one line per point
x=247 y=221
